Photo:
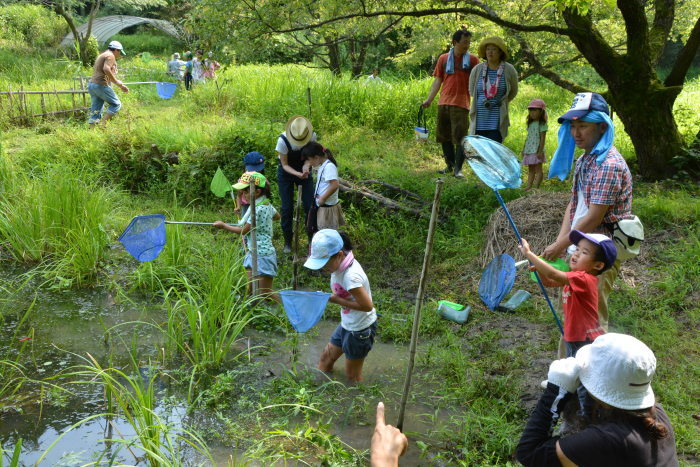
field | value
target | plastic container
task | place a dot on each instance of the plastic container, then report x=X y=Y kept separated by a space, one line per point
x=422 y=133
x=515 y=300
x=559 y=263
x=453 y=311
x=421 y=130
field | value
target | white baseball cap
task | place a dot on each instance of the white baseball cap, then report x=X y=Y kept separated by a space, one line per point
x=116 y=45
x=617 y=369
x=326 y=243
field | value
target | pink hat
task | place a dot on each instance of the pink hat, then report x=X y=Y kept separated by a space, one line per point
x=536 y=104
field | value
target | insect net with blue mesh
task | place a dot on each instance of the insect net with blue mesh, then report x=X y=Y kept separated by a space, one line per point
x=144 y=237
x=498 y=167
x=304 y=309
x=497 y=280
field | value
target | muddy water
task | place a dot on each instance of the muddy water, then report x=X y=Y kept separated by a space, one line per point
x=71 y=324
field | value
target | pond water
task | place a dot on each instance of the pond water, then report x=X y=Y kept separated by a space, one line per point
x=70 y=324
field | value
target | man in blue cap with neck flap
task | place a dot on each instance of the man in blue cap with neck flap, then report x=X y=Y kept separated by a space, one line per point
x=601 y=194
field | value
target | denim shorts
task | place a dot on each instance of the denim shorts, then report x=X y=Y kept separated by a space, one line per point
x=355 y=344
x=267 y=265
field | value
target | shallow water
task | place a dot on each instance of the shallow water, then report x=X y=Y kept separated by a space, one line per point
x=71 y=324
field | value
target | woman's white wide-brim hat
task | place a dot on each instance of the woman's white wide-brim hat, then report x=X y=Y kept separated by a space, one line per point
x=617 y=369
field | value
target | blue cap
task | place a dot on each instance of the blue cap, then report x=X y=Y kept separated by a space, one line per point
x=326 y=243
x=604 y=243
x=583 y=103
x=254 y=162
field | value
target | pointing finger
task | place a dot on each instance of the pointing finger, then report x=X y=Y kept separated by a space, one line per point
x=380 y=414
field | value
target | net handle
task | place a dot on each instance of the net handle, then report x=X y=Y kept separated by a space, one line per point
x=192 y=223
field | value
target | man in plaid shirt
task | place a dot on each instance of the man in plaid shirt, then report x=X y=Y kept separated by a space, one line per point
x=602 y=186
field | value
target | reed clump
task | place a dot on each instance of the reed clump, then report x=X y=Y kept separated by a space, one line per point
x=56 y=219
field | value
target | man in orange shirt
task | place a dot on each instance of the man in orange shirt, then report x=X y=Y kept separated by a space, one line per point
x=452 y=75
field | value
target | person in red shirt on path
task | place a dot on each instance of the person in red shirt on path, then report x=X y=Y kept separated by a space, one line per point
x=451 y=73
x=594 y=254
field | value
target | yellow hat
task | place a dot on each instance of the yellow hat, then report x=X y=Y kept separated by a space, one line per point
x=498 y=42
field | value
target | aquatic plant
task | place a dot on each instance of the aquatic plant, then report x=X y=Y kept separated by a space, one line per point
x=133 y=397
x=207 y=316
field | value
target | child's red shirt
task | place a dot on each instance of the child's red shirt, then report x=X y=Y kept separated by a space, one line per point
x=580 y=303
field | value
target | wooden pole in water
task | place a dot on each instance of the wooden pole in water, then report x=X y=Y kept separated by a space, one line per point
x=419 y=301
x=253 y=241
x=297 y=228
x=295 y=266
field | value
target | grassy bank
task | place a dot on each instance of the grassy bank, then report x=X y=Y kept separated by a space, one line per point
x=68 y=191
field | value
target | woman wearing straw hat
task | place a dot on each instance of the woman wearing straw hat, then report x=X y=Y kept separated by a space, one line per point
x=294 y=171
x=628 y=427
x=492 y=85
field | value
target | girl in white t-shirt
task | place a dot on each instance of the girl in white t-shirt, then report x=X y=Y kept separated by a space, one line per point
x=329 y=214
x=354 y=337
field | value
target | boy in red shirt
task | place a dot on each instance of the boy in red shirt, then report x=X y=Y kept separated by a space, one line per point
x=594 y=254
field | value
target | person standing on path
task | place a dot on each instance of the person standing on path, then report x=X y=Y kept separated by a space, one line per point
x=493 y=84
x=294 y=171
x=452 y=72
x=103 y=74
x=601 y=194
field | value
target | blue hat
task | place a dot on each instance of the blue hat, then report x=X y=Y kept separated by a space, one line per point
x=254 y=162
x=605 y=243
x=326 y=243
x=583 y=103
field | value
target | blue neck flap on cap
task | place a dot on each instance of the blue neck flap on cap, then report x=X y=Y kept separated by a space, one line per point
x=564 y=155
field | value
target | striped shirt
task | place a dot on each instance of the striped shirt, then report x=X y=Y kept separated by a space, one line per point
x=609 y=183
x=489 y=119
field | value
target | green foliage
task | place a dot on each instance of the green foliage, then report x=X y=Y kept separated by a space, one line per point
x=25 y=25
x=151 y=41
x=91 y=50
x=57 y=218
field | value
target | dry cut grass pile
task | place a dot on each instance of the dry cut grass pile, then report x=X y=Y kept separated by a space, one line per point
x=538 y=218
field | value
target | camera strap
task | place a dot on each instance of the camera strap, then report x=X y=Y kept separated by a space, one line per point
x=491 y=89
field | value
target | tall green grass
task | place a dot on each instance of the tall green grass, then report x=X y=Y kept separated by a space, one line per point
x=206 y=316
x=58 y=219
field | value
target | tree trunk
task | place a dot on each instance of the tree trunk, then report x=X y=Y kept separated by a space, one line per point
x=358 y=52
x=648 y=119
x=334 y=60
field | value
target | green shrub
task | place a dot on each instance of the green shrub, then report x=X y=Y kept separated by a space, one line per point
x=33 y=25
x=151 y=41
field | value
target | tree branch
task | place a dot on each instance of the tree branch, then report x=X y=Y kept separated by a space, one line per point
x=538 y=68
x=592 y=45
x=685 y=58
x=431 y=12
x=664 y=14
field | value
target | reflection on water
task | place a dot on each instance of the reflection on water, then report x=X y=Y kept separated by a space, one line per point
x=70 y=324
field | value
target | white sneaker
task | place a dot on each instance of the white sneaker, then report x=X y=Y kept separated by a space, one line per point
x=459 y=175
x=543 y=384
x=287 y=249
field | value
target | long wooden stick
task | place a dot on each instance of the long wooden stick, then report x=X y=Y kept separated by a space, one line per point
x=253 y=241
x=297 y=229
x=419 y=301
